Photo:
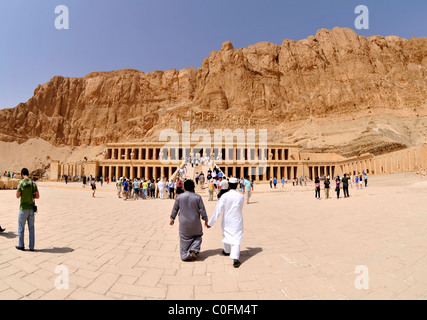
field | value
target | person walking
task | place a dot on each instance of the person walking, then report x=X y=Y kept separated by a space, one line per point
x=152 y=189
x=135 y=188
x=230 y=205
x=345 y=185
x=171 y=186
x=248 y=187
x=27 y=192
x=179 y=186
x=365 y=177
x=93 y=185
x=338 y=186
x=327 y=184
x=145 y=189
x=119 y=184
x=361 y=182
x=211 y=188
x=317 y=188
x=161 y=186
x=125 y=189
x=223 y=186
x=190 y=207
x=202 y=180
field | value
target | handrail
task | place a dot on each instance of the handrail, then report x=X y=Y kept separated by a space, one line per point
x=177 y=170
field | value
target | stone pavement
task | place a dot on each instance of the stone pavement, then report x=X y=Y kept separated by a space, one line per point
x=295 y=247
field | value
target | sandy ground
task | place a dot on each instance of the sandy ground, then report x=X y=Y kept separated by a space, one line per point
x=372 y=245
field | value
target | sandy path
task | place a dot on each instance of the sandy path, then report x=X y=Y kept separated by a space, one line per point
x=295 y=247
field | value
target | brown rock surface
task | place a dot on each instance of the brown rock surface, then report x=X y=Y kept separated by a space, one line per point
x=335 y=91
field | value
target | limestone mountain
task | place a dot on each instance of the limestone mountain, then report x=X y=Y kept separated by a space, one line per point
x=335 y=91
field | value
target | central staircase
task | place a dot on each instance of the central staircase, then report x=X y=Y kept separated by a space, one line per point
x=191 y=174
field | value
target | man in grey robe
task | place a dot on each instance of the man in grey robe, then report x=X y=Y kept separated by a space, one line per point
x=190 y=207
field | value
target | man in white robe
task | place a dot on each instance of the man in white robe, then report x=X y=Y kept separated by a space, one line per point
x=230 y=205
x=161 y=185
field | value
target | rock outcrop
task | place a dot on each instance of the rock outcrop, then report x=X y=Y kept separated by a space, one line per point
x=335 y=91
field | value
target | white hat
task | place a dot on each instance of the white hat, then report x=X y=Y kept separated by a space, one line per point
x=233 y=180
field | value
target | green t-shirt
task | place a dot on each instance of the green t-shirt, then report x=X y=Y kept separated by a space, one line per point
x=27 y=200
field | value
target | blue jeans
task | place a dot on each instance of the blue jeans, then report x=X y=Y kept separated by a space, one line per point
x=26 y=216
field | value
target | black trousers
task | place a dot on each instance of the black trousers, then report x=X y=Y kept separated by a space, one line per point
x=345 y=190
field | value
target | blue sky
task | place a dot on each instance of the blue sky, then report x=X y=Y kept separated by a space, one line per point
x=150 y=35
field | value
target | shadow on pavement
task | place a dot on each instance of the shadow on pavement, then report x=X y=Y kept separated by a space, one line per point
x=56 y=250
x=8 y=235
x=245 y=255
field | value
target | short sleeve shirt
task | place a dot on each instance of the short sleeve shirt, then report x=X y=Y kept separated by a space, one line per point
x=26 y=187
x=224 y=184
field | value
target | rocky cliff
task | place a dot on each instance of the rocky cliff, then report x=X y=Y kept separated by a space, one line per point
x=335 y=91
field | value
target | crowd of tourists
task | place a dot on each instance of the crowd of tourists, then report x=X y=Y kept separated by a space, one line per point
x=141 y=188
x=215 y=181
x=197 y=160
x=302 y=181
x=8 y=174
x=344 y=183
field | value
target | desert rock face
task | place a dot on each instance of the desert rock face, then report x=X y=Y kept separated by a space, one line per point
x=335 y=91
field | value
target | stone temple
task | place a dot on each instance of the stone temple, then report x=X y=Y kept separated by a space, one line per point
x=261 y=162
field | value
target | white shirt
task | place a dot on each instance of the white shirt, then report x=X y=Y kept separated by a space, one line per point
x=230 y=205
x=224 y=184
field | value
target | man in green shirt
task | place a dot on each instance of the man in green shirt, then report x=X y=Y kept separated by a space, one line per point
x=27 y=192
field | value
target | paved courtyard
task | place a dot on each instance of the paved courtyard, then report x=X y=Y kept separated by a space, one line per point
x=372 y=245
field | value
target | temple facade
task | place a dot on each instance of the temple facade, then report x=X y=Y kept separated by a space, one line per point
x=156 y=160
